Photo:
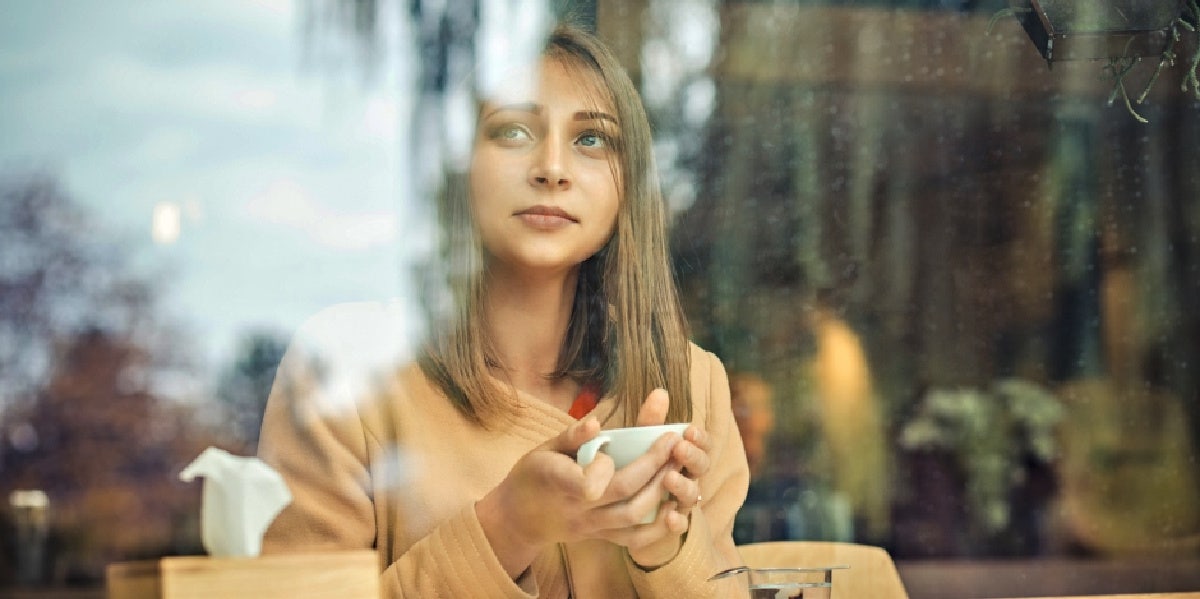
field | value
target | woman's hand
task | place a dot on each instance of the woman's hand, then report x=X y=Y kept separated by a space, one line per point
x=688 y=462
x=547 y=498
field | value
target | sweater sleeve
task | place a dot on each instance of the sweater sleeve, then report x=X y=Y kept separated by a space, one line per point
x=315 y=440
x=454 y=560
x=708 y=547
x=313 y=434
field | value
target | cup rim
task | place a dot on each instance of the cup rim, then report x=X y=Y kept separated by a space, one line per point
x=671 y=427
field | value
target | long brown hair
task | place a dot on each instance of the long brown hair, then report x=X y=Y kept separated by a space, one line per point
x=627 y=333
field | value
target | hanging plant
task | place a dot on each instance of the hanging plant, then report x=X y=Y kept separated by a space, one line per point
x=1122 y=32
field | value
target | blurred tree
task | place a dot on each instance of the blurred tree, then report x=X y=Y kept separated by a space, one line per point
x=44 y=254
x=247 y=382
x=61 y=274
x=107 y=452
x=84 y=355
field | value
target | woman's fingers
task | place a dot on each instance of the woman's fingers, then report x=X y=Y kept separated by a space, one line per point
x=551 y=468
x=568 y=441
x=635 y=475
x=698 y=437
x=668 y=522
x=674 y=518
x=684 y=490
x=692 y=454
x=654 y=408
x=597 y=476
x=616 y=503
x=632 y=511
x=691 y=461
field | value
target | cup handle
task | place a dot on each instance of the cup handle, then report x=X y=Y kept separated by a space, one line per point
x=587 y=451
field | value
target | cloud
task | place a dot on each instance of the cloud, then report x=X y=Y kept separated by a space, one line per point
x=286 y=203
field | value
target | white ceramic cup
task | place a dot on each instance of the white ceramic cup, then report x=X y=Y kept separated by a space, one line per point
x=624 y=445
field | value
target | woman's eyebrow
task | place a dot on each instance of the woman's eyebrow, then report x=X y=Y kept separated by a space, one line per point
x=534 y=108
x=529 y=107
x=584 y=115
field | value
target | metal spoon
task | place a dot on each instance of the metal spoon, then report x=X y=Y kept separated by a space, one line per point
x=728 y=573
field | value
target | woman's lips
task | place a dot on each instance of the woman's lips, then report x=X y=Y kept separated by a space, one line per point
x=546 y=217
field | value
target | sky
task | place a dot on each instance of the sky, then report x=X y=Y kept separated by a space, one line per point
x=263 y=176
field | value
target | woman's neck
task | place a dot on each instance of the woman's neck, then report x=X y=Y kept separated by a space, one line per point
x=527 y=322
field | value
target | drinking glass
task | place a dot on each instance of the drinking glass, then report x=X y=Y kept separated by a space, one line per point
x=786 y=583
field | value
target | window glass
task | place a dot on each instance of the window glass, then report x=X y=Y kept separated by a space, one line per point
x=948 y=251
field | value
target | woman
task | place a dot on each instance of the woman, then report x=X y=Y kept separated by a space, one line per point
x=460 y=469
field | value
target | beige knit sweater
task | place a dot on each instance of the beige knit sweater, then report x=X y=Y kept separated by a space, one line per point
x=377 y=457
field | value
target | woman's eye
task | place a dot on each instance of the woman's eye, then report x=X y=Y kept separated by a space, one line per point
x=593 y=139
x=509 y=132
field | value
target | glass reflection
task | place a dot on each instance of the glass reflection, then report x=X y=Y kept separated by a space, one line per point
x=954 y=286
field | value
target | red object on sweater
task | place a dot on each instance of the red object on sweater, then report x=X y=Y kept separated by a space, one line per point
x=585 y=402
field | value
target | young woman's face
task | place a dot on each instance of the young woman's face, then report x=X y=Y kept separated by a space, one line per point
x=544 y=181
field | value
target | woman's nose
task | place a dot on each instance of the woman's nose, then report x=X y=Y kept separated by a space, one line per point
x=548 y=171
